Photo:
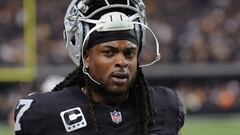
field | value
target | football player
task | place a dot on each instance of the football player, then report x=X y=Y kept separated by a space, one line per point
x=107 y=93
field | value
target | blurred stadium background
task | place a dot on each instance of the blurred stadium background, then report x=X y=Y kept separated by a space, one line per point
x=199 y=43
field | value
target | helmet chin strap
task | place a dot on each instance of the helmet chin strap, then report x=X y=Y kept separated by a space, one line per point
x=83 y=46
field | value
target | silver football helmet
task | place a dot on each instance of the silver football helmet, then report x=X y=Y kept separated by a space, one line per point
x=86 y=16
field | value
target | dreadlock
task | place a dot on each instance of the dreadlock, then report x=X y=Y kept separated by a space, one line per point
x=144 y=104
x=77 y=77
x=140 y=91
x=91 y=107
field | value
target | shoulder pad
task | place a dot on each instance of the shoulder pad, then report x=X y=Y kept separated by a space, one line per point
x=163 y=97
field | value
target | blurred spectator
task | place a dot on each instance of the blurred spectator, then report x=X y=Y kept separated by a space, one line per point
x=223 y=95
x=202 y=31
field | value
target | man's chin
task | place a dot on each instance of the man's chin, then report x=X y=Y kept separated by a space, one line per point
x=109 y=91
x=116 y=92
x=113 y=90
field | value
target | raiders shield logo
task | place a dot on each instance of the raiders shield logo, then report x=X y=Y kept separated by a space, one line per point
x=116 y=117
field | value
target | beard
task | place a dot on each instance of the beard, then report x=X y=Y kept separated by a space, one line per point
x=103 y=90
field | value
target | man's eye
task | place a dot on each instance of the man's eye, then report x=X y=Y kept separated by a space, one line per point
x=130 y=53
x=108 y=53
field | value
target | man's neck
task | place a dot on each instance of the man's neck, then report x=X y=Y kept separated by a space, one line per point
x=109 y=100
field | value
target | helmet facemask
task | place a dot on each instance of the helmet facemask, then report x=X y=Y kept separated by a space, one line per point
x=84 y=17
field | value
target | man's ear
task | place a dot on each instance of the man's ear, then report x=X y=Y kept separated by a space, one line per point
x=86 y=58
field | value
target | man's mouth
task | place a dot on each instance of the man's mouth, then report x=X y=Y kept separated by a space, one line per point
x=120 y=77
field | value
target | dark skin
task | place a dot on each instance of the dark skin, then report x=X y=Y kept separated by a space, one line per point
x=113 y=64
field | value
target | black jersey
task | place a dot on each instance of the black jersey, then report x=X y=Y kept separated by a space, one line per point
x=66 y=112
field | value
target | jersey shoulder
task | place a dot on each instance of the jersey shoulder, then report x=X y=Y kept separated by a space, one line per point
x=45 y=108
x=164 y=97
x=50 y=102
x=168 y=108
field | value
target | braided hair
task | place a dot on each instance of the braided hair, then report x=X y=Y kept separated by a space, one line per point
x=139 y=89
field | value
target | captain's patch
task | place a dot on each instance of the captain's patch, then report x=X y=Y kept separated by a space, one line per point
x=73 y=119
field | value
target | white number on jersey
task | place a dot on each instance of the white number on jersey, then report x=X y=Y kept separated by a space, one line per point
x=25 y=105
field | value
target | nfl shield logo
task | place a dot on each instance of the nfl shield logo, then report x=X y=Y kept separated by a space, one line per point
x=116 y=117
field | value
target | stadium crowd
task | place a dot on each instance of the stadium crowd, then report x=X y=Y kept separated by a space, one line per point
x=199 y=31
x=205 y=31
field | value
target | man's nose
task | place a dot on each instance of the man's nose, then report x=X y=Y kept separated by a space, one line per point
x=121 y=61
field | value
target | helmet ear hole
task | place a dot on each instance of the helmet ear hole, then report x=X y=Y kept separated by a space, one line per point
x=73 y=41
x=65 y=36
